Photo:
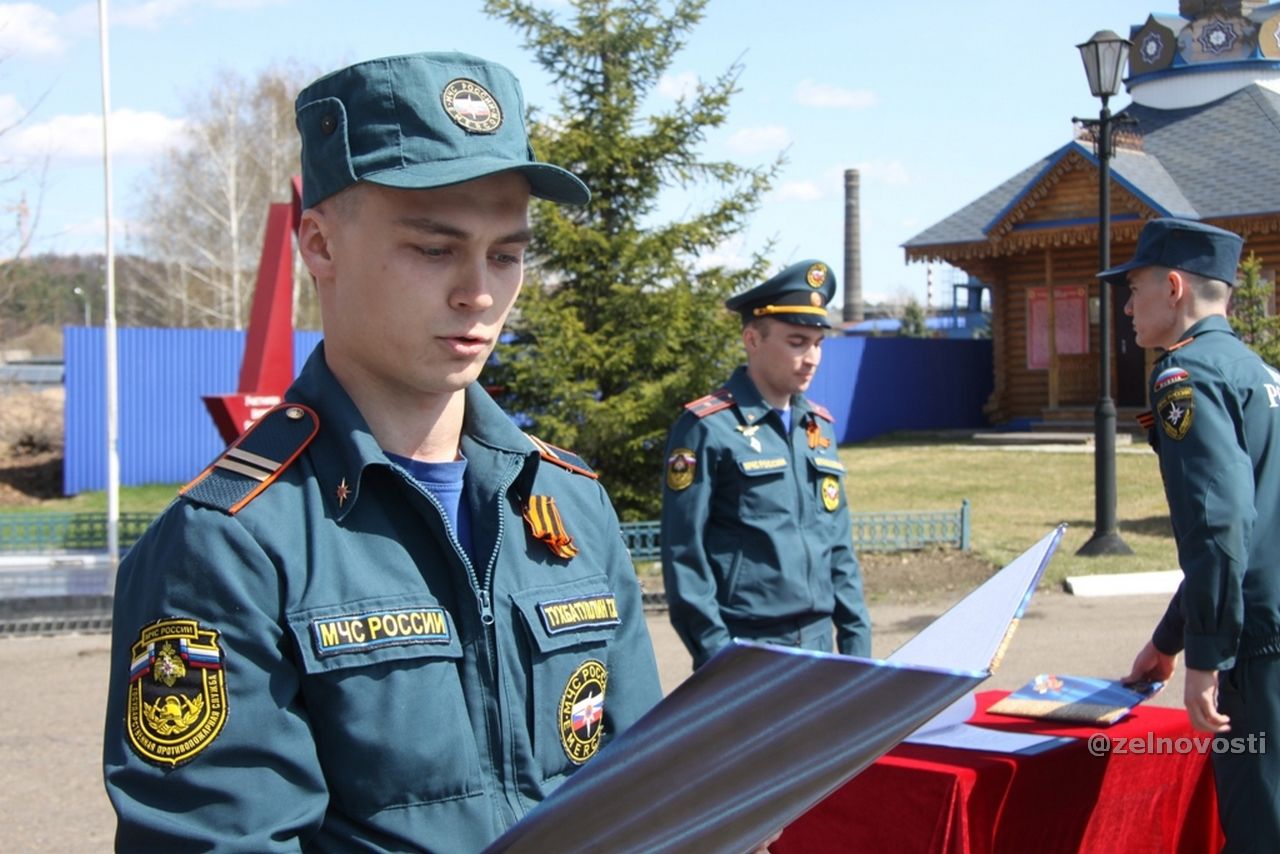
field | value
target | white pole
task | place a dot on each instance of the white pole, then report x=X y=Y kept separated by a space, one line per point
x=109 y=321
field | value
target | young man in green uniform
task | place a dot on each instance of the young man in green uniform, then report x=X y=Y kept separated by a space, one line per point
x=385 y=619
x=757 y=542
x=1216 y=429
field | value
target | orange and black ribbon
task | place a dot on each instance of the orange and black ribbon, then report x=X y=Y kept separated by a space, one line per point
x=545 y=523
x=814 y=433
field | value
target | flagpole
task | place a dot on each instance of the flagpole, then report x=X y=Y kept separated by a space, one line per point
x=109 y=322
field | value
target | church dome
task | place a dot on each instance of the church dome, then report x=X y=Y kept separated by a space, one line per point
x=1207 y=51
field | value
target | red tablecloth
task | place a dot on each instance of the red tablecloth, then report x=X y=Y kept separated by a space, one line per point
x=936 y=799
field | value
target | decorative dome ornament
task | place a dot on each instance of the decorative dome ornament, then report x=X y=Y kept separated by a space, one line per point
x=1152 y=47
x=1218 y=37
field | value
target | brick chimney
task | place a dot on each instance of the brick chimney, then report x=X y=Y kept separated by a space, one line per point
x=853 y=312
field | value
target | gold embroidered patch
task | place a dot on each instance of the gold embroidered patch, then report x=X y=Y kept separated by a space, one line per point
x=680 y=468
x=830 y=493
x=177 y=701
x=1177 y=410
x=582 y=711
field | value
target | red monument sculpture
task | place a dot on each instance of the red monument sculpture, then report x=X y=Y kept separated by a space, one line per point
x=267 y=369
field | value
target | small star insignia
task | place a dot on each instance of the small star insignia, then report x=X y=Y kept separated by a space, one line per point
x=343 y=492
x=1175 y=414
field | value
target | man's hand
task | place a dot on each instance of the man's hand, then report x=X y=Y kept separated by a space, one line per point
x=1201 y=698
x=1151 y=665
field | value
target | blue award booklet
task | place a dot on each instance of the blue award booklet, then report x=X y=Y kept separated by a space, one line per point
x=1076 y=699
x=760 y=733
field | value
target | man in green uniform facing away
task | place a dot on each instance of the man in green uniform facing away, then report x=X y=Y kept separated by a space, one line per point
x=1216 y=429
x=385 y=619
x=757 y=541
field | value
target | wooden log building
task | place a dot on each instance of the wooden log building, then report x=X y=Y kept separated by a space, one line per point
x=1200 y=140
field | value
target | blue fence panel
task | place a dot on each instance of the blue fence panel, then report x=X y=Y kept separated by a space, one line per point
x=877 y=385
x=871 y=385
x=165 y=433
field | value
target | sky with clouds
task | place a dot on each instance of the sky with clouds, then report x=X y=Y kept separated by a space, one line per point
x=934 y=102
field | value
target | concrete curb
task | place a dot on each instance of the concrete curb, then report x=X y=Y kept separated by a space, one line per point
x=1123 y=584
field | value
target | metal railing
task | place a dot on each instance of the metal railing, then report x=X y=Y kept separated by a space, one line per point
x=41 y=533
x=67 y=593
x=898 y=530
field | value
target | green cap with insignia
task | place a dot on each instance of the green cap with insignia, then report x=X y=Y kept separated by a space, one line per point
x=799 y=294
x=420 y=121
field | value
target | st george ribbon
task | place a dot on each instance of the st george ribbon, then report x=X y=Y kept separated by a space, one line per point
x=761 y=733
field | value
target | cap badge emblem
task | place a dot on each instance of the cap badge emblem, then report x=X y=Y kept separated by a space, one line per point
x=471 y=106
x=816 y=275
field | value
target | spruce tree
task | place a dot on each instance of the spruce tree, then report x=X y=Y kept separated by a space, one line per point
x=1252 y=314
x=914 y=324
x=622 y=318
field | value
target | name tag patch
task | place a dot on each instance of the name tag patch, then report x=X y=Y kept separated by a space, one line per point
x=564 y=615
x=360 y=632
x=766 y=465
x=826 y=464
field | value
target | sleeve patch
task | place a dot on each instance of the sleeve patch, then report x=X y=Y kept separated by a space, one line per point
x=1168 y=377
x=681 y=465
x=1177 y=410
x=177 y=699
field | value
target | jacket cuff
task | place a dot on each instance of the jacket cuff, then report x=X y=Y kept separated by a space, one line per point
x=1210 y=652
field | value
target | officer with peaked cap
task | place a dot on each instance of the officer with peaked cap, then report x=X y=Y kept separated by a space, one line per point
x=757 y=540
x=385 y=619
x=1216 y=430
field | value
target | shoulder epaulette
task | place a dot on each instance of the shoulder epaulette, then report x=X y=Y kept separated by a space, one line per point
x=714 y=402
x=1184 y=342
x=822 y=412
x=254 y=460
x=1146 y=420
x=562 y=458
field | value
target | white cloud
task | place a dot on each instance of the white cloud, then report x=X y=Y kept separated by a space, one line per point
x=133 y=134
x=812 y=94
x=731 y=254
x=28 y=30
x=752 y=140
x=799 y=191
x=676 y=86
x=11 y=112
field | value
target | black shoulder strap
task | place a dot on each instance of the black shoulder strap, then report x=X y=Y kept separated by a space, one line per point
x=254 y=460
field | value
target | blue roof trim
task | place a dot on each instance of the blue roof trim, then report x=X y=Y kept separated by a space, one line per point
x=1061 y=223
x=1053 y=160
x=1228 y=65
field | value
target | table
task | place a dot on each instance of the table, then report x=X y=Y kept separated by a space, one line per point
x=920 y=798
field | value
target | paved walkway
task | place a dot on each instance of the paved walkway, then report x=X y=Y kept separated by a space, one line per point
x=51 y=793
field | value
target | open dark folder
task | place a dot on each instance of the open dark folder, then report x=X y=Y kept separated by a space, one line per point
x=761 y=733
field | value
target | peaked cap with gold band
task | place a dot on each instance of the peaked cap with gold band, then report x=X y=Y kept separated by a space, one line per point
x=799 y=294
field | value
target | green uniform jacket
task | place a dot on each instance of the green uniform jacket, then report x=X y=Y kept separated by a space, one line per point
x=325 y=670
x=755 y=524
x=1217 y=433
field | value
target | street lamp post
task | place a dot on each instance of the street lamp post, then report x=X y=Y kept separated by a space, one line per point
x=1104 y=58
x=79 y=291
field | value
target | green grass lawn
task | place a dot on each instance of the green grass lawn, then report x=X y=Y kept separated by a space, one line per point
x=1017 y=496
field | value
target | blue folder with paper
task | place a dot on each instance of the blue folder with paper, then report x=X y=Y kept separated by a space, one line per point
x=761 y=733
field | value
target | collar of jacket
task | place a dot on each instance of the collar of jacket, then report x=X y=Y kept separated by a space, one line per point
x=1212 y=323
x=753 y=406
x=345 y=446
